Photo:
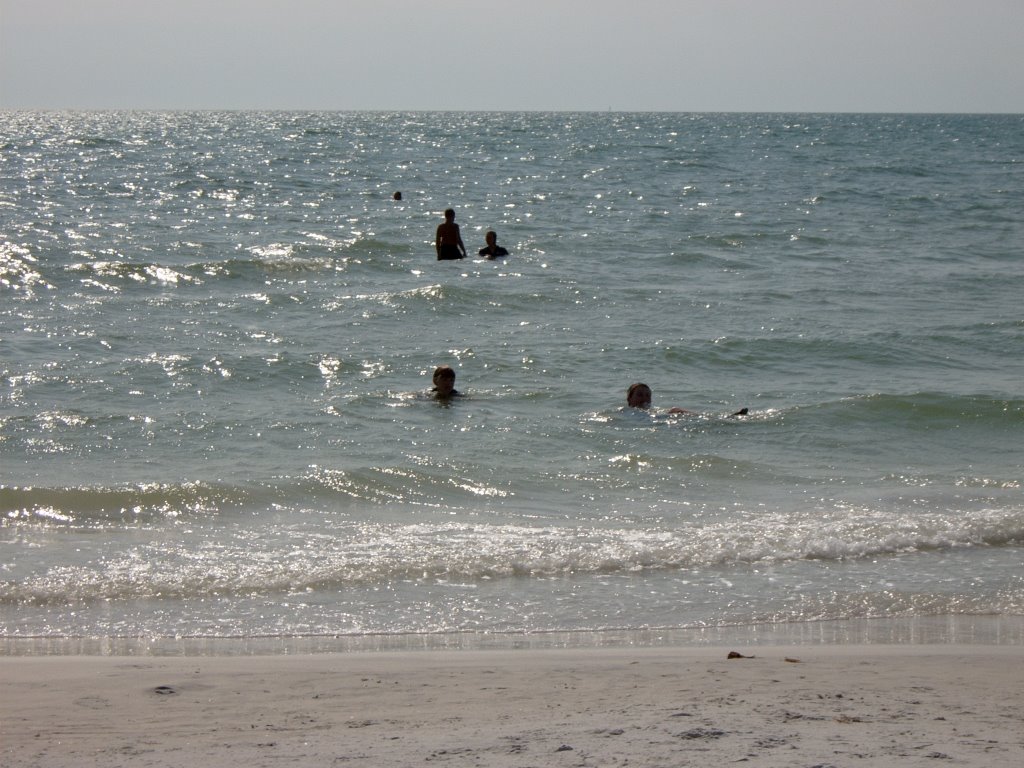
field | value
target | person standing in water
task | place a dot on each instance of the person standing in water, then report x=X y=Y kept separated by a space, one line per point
x=449 y=240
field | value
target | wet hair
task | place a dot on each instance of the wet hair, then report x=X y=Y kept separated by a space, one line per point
x=444 y=372
x=634 y=388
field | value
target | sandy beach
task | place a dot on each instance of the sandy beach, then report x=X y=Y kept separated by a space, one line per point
x=785 y=706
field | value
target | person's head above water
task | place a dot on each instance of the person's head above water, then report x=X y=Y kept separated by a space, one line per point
x=444 y=381
x=638 y=396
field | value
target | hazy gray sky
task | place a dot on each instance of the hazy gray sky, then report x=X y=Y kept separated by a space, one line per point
x=673 y=55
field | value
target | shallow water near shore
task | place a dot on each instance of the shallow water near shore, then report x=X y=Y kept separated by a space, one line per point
x=217 y=334
x=883 y=633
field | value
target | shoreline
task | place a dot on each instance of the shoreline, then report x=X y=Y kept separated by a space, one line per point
x=825 y=705
x=912 y=631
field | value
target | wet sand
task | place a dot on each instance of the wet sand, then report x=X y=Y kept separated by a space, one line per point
x=825 y=705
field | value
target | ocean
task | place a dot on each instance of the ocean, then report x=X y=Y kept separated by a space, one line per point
x=218 y=331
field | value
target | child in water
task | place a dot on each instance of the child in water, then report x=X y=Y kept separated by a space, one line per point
x=492 y=250
x=444 y=383
x=639 y=396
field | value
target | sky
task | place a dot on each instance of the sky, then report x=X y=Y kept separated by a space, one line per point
x=638 y=55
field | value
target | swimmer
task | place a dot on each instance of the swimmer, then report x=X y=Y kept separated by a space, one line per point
x=449 y=239
x=444 y=383
x=396 y=196
x=492 y=250
x=639 y=395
